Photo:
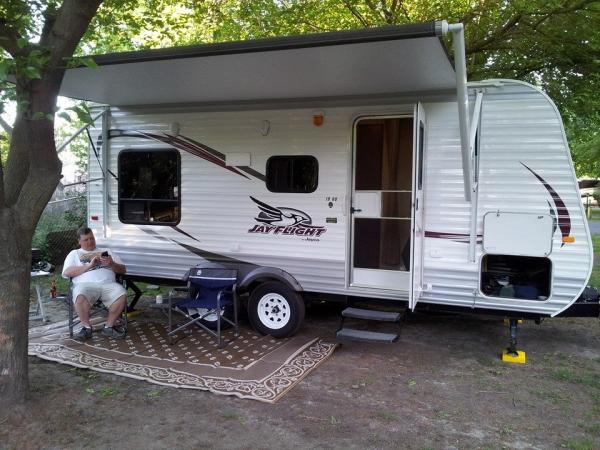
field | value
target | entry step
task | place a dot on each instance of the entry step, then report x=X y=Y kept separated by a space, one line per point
x=366 y=336
x=370 y=314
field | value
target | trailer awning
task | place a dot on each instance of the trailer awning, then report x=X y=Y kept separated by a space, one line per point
x=391 y=60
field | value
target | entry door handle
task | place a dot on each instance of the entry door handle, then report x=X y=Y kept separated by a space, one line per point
x=353 y=210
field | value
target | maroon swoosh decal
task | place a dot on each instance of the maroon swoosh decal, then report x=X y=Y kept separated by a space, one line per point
x=456 y=237
x=564 y=218
x=194 y=148
x=179 y=230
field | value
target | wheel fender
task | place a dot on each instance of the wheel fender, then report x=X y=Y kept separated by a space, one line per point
x=270 y=273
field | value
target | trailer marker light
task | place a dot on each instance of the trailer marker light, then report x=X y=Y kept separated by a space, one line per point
x=568 y=239
x=94 y=217
x=318 y=119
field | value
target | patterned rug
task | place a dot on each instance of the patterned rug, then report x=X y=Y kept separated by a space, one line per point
x=251 y=366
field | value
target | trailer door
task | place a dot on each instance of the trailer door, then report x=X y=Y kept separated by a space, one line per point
x=418 y=229
x=382 y=203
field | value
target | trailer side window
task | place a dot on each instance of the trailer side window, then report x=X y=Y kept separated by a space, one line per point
x=524 y=277
x=292 y=174
x=149 y=187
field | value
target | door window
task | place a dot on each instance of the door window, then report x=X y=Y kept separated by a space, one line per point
x=383 y=174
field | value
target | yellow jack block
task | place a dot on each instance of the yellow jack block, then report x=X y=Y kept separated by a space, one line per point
x=519 y=322
x=519 y=358
x=132 y=313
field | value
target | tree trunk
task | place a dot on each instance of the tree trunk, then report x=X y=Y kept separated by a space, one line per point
x=31 y=174
x=39 y=174
x=15 y=260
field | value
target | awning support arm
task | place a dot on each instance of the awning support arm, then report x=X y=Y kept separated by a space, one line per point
x=62 y=146
x=105 y=160
x=462 y=98
x=475 y=177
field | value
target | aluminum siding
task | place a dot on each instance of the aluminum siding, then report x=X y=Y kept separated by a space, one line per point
x=216 y=206
x=519 y=125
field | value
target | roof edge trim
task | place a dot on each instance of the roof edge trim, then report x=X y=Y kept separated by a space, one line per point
x=391 y=32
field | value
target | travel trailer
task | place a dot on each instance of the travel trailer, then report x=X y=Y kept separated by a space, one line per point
x=336 y=165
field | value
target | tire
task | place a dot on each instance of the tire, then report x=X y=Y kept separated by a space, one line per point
x=275 y=309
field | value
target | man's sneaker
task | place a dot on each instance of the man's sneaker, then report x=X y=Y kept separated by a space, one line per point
x=112 y=332
x=83 y=334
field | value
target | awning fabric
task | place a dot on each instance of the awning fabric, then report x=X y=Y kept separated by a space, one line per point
x=391 y=60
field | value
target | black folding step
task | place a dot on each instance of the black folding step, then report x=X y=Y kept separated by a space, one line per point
x=370 y=314
x=366 y=336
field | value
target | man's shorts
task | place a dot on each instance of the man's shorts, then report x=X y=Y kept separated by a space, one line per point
x=107 y=292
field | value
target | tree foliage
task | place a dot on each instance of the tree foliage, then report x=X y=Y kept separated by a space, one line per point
x=554 y=44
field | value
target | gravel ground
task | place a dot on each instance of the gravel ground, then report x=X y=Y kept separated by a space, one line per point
x=442 y=385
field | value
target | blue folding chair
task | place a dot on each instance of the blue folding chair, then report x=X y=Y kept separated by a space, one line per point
x=213 y=292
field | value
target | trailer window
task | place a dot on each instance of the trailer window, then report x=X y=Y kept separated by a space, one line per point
x=149 y=187
x=524 y=277
x=292 y=174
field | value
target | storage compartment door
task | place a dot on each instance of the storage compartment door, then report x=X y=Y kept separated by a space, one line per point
x=519 y=234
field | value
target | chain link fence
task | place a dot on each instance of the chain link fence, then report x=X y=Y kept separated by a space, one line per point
x=55 y=235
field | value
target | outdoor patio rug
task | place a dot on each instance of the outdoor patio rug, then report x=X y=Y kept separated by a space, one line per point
x=252 y=366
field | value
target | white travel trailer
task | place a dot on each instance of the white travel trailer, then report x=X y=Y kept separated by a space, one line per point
x=340 y=165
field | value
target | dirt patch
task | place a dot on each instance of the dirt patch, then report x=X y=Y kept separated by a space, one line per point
x=441 y=386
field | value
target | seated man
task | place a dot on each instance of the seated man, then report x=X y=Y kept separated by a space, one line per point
x=93 y=273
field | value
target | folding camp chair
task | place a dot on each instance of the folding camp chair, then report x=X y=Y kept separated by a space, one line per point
x=212 y=291
x=97 y=308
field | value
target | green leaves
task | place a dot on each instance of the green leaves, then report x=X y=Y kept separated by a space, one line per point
x=31 y=72
x=81 y=111
x=89 y=62
x=22 y=43
x=82 y=61
x=5 y=67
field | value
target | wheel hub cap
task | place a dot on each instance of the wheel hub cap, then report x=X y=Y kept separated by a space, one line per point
x=274 y=311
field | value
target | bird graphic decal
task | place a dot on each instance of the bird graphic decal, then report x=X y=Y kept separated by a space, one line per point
x=282 y=216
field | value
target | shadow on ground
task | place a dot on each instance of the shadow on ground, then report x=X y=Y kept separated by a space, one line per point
x=442 y=385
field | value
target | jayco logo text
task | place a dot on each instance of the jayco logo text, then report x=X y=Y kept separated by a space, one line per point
x=285 y=221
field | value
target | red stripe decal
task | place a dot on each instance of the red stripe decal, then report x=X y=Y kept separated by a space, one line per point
x=564 y=218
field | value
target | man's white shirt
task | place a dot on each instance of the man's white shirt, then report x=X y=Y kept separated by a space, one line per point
x=98 y=274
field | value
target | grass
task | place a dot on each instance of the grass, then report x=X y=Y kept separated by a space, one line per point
x=595 y=214
x=153 y=394
x=580 y=445
x=108 y=392
x=564 y=374
x=234 y=416
x=552 y=396
x=362 y=382
x=577 y=370
x=593 y=429
x=387 y=416
x=595 y=278
x=441 y=414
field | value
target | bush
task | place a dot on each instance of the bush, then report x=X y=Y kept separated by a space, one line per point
x=55 y=234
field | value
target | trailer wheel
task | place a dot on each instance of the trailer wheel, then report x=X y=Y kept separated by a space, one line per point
x=275 y=309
